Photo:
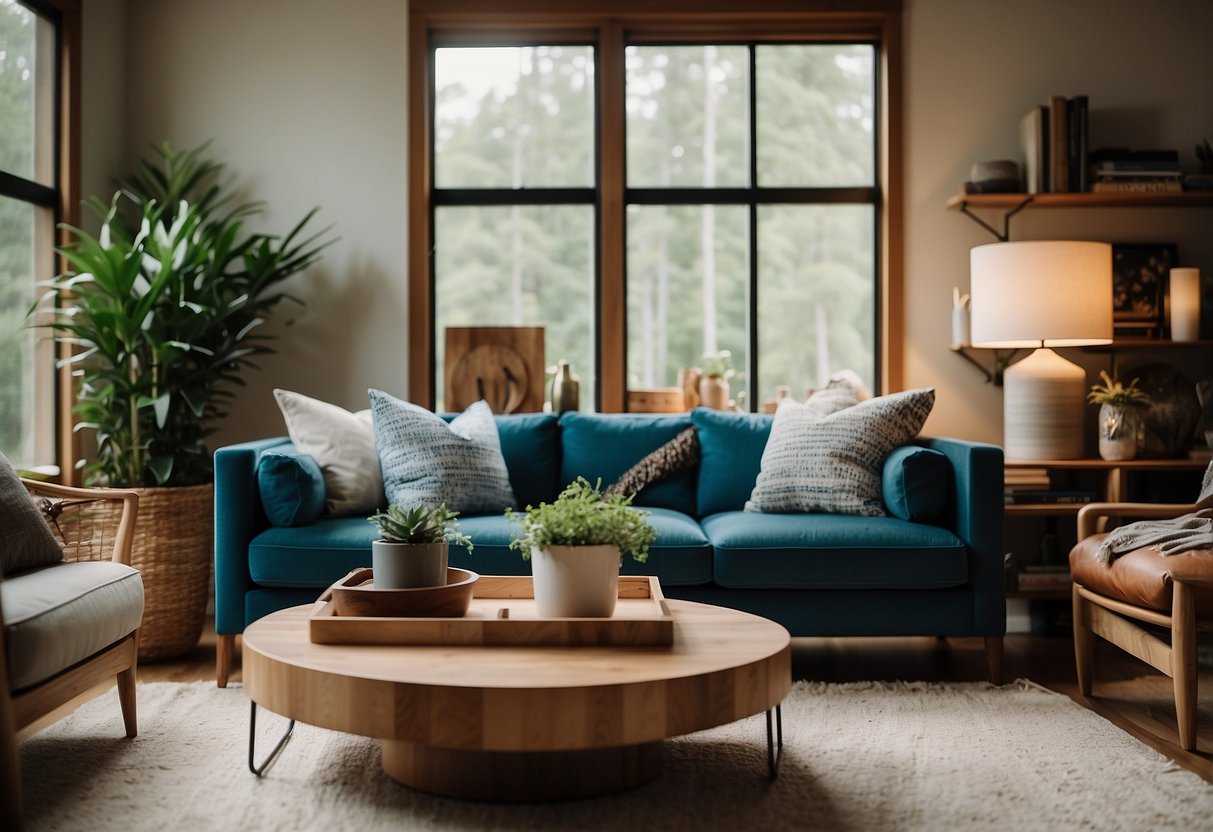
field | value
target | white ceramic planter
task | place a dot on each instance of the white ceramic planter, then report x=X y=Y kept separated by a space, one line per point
x=576 y=581
x=408 y=565
x=1118 y=427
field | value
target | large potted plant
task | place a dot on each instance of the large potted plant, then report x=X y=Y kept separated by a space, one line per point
x=575 y=545
x=163 y=311
x=413 y=544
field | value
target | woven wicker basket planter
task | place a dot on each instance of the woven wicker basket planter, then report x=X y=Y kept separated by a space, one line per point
x=173 y=550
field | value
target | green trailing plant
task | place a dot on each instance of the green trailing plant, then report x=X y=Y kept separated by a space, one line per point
x=718 y=365
x=1114 y=393
x=582 y=516
x=163 y=312
x=420 y=524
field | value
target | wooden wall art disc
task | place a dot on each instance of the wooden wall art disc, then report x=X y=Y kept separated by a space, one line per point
x=502 y=365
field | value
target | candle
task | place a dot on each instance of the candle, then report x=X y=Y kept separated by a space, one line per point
x=1185 y=304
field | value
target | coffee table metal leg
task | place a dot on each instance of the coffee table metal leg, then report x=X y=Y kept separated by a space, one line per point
x=252 y=742
x=774 y=742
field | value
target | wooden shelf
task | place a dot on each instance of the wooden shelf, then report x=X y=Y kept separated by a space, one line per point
x=1148 y=344
x=1060 y=594
x=1170 y=464
x=1042 y=509
x=1190 y=199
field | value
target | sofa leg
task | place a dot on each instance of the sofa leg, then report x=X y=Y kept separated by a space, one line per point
x=223 y=658
x=994 y=659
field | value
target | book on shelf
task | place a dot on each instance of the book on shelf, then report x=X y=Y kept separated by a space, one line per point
x=1047 y=497
x=1079 y=121
x=1059 y=145
x=1198 y=182
x=1052 y=579
x=1145 y=175
x=1034 y=150
x=1138 y=186
x=1122 y=156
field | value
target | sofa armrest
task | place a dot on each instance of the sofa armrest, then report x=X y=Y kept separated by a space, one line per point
x=238 y=518
x=976 y=516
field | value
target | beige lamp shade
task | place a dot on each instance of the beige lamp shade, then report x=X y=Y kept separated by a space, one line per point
x=1053 y=293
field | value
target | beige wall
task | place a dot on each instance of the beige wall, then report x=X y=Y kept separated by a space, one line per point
x=305 y=102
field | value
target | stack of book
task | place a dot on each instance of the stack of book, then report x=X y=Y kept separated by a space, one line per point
x=1120 y=170
x=1044 y=576
x=1053 y=146
x=1031 y=486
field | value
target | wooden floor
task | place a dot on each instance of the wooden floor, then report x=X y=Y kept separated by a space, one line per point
x=1127 y=692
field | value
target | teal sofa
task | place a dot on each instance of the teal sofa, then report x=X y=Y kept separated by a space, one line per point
x=933 y=567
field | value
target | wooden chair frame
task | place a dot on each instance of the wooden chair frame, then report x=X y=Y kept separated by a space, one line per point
x=1109 y=618
x=120 y=660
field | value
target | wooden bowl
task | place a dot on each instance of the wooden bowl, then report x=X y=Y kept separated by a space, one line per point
x=356 y=595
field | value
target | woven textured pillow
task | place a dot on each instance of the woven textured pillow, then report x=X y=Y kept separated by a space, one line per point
x=26 y=541
x=343 y=445
x=833 y=463
x=427 y=461
x=679 y=454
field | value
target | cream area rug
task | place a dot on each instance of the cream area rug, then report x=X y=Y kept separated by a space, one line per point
x=867 y=756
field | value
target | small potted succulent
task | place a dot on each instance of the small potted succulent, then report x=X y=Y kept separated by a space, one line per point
x=575 y=545
x=1120 y=409
x=714 y=385
x=413 y=544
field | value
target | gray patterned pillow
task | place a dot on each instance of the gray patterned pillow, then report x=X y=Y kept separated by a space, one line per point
x=425 y=460
x=26 y=541
x=832 y=463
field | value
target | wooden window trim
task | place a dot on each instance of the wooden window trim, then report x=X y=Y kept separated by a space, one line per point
x=608 y=25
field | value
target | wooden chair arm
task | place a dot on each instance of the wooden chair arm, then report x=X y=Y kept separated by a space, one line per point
x=1090 y=514
x=125 y=500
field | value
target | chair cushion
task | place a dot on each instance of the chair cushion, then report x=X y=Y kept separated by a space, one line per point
x=25 y=538
x=604 y=446
x=58 y=615
x=1144 y=577
x=291 y=486
x=830 y=551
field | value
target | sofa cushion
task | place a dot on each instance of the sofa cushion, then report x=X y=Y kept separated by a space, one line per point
x=427 y=461
x=600 y=446
x=830 y=551
x=916 y=483
x=343 y=445
x=291 y=486
x=58 y=615
x=310 y=556
x=26 y=540
x=530 y=444
x=730 y=451
x=833 y=463
x=679 y=454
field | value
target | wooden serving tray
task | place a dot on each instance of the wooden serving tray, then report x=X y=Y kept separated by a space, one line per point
x=502 y=612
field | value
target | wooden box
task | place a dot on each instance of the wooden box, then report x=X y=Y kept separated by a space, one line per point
x=502 y=612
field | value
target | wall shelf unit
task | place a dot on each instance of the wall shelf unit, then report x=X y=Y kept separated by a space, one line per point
x=1007 y=206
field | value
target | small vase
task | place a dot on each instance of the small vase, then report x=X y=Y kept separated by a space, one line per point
x=576 y=581
x=408 y=565
x=1118 y=426
x=714 y=393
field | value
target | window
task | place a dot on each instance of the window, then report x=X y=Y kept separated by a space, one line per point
x=653 y=186
x=31 y=199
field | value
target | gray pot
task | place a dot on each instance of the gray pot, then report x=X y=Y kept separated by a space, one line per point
x=408 y=565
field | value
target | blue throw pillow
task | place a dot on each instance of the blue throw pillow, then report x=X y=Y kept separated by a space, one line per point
x=291 y=485
x=730 y=454
x=426 y=461
x=605 y=445
x=917 y=483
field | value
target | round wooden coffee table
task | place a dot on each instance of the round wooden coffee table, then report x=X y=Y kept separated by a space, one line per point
x=523 y=723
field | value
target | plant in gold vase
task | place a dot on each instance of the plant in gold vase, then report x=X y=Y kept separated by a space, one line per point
x=1120 y=408
x=714 y=384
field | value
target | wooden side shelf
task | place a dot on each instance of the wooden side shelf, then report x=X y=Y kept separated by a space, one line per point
x=1190 y=199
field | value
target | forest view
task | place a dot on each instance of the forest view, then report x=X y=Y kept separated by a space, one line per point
x=523 y=118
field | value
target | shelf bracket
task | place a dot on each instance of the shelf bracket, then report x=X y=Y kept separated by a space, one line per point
x=1002 y=360
x=1005 y=234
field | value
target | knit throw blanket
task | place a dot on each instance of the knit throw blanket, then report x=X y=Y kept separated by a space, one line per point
x=1170 y=537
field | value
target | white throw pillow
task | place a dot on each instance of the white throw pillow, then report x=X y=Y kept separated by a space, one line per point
x=832 y=462
x=343 y=444
x=427 y=461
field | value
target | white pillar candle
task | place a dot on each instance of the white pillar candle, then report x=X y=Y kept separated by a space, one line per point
x=1185 y=304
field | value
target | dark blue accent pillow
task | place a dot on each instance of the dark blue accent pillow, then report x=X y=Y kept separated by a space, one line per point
x=730 y=457
x=605 y=445
x=916 y=483
x=291 y=486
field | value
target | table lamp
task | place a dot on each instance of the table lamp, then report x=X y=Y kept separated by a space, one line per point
x=1042 y=294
